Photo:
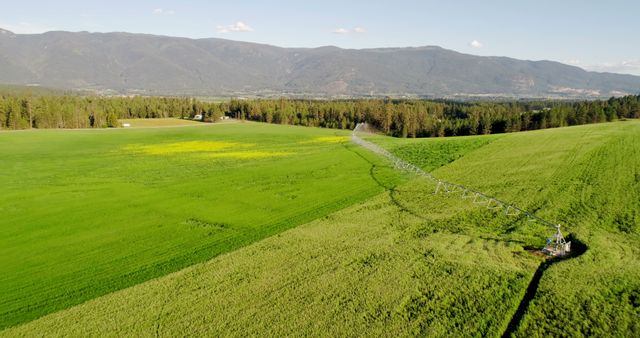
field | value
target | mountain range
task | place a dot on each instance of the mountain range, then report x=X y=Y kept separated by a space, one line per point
x=126 y=63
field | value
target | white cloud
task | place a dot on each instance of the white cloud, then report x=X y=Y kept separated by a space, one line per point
x=162 y=11
x=26 y=28
x=475 y=44
x=236 y=27
x=357 y=30
x=573 y=62
x=622 y=67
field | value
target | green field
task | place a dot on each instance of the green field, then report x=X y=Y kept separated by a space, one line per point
x=587 y=178
x=405 y=262
x=161 y=122
x=88 y=212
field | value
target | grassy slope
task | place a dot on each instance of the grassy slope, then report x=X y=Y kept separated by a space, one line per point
x=587 y=178
x=430 y=154
x=407 y=262
x=85 y=213
x=361 y=271
x=598 y=293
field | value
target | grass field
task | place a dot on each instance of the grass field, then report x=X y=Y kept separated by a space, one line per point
x=588 y=179
x=88 y=212
x=408 y=262
x=166 y=122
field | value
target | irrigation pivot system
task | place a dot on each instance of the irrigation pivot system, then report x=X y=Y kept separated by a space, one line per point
x=556 y=245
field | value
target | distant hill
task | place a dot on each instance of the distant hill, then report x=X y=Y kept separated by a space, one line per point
x=20 y=90
x=149 y=64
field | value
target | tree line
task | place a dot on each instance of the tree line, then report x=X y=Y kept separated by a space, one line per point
x=400 y=118
x=429 y=118
x=67 y=111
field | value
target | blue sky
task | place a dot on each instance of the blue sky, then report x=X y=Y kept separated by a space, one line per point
x=595 y=35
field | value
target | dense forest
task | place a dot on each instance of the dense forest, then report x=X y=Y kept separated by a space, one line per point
x=72 y=111
x=401 y=118
x=425 y=118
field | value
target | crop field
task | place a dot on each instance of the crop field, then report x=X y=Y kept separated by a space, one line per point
x=404 y=262
x=88 y=212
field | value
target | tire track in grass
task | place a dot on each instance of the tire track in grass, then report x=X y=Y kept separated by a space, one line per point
x=577 y=249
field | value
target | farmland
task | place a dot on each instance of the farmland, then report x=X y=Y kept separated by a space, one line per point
x=403 y=262
x=161 y=122
x=88 y=212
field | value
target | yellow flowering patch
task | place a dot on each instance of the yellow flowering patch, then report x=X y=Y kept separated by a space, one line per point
x=208 y=149
x=185 y=147
x=247 y=154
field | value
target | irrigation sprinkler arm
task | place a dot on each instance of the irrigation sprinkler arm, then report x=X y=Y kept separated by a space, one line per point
x=447 y=186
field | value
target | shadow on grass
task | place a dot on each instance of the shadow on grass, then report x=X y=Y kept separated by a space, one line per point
x=577 y=249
